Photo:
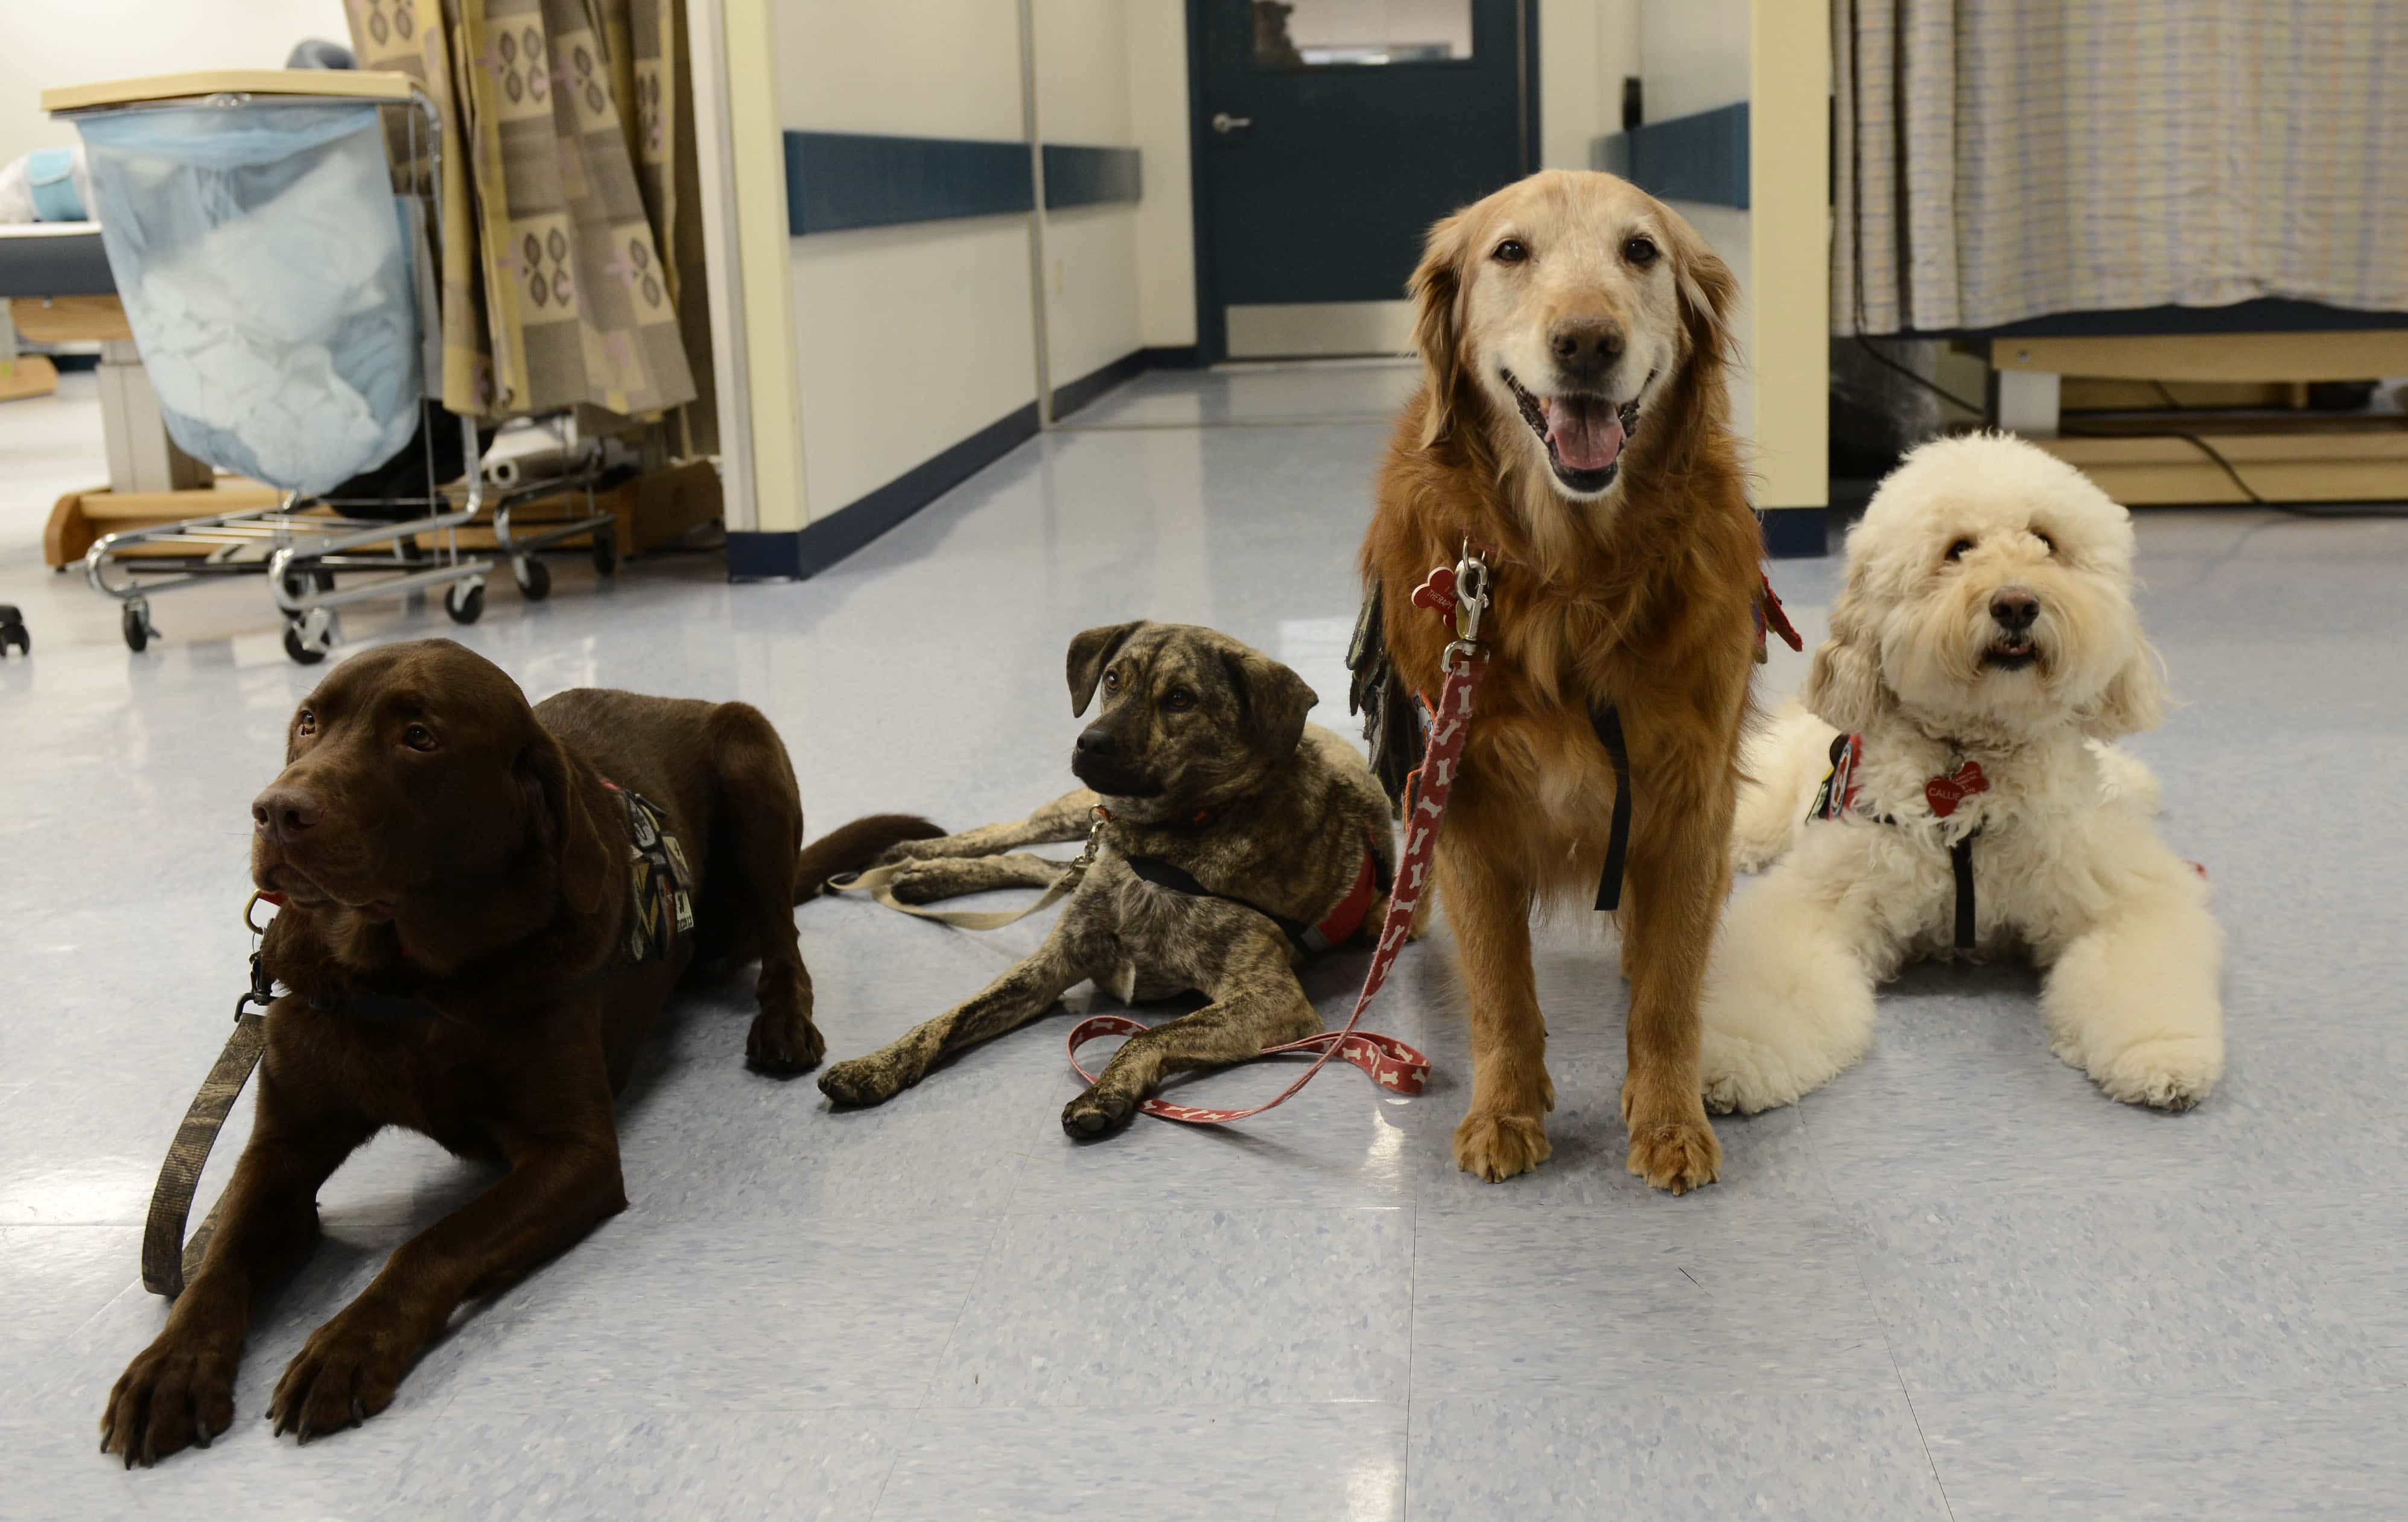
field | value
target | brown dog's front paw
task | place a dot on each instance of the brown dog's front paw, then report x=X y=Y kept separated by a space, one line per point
x=863 y=1080
x=346 y=1373
x=177 y=1393
x=1096 y=1113
x=1675 y=1154
x=783 y=1043
x=1495 y=1147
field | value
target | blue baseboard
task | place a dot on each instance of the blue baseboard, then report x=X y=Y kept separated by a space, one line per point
x=1072 y=395
x=1797 y=533
x=797 y=554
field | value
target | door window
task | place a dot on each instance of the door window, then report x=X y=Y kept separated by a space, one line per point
x=1291 y=35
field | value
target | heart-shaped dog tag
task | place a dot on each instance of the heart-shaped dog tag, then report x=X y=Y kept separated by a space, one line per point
x=1944 y=793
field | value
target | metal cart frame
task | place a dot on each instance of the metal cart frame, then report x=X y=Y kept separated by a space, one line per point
x=301 y=553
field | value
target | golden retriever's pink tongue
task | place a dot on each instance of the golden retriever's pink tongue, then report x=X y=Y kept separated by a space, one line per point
x=1586 y=431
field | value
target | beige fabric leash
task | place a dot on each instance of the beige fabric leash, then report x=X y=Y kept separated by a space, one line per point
x=876 y=883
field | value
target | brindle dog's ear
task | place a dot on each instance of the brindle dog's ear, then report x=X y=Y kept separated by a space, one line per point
x=1091 y=651
x=564 y=825
x=1437 y=291
x=1272 y=700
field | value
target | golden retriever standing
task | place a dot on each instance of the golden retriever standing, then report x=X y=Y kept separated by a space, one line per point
x=1573 y=420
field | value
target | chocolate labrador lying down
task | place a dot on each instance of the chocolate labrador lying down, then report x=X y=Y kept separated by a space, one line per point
x=486 y=905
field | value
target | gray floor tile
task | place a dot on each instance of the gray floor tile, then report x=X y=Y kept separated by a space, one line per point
x=2184 y=1453
x=1670 y=1452
x=2052 y=1290
x=1761 y=1298
x=800 y=1315
x=579 y=1459
x=1345 y=1462
x=1107 y=1308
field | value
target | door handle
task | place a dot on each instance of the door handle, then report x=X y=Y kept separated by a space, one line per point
x=1224 y=123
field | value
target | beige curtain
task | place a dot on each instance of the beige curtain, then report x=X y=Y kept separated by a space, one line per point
x=2005 y=159
x=560 y=191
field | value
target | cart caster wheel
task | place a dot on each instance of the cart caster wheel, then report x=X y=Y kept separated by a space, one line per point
x=298 y=584
x=12 y=631
x=135 y=623
x=533 y=577
x=465 y=601
x=297 y=646
x=605 y=552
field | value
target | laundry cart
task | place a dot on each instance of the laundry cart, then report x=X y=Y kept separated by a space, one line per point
x=273 y=261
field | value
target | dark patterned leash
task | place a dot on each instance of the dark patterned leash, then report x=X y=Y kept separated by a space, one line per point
x=1464 y=591
x=167 y=1259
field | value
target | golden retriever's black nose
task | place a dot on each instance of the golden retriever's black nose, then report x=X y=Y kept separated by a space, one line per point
x=1585 y=347
x=2014 y=608
x=282 y=814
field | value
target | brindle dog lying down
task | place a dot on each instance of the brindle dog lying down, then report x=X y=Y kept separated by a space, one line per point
x=479 y=927
x=1240 y=838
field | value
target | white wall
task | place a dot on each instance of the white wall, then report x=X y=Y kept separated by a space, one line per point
x=45 y=43
x=908 y=340
x=917 y=69
x=1586 y=48
x=1081 y=52
x=1696 y=54
x=1166 y=219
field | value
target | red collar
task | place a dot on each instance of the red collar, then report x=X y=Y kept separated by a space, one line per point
x=1342 y=922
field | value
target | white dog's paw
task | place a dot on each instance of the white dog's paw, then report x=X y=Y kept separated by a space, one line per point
x=1737 y=1075
x=2173 y=1073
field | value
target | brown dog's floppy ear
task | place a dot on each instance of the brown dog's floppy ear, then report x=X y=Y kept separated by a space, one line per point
x=1272 y=700
x=1437 y=288
x=566 y=827
x=2135 y=698
x=1844 y=687
x=1091 y=651
x=1708 y=289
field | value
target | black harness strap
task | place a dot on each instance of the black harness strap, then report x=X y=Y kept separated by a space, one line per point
x=1164 y=873
x=1960 y=857
x=1606 y=721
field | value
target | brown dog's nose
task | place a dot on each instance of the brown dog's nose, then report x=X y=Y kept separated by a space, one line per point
x=282 y=814
x=1096 y=744
x=2014 y=608
x=1585 y=346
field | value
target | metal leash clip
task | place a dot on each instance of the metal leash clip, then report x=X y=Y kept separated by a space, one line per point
x=262 y=991
x=1471 y=597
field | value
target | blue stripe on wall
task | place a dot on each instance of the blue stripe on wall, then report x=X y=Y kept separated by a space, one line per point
x=838 y=180
x=1091 y=176
x=1690 y=158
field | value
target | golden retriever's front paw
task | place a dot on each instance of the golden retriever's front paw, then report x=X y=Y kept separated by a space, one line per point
x=1675 y=1154
x=2174 y=1073
x=1497 y=1147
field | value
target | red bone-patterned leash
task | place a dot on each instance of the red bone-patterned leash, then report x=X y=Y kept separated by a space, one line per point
x=1464 y=590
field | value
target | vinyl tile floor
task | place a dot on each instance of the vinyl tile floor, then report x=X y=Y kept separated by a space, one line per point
x=1957 y=1283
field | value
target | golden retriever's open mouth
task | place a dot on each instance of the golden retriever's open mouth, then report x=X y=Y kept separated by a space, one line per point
x=1583 y=435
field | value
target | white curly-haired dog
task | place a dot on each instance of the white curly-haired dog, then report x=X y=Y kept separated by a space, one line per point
x=1983 y=651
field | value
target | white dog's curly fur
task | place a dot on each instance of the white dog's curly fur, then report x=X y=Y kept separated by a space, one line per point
x=2067 y=868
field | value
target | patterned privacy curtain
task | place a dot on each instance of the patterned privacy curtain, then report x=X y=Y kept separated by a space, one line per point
x=2005 y=159
x=561 y=187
